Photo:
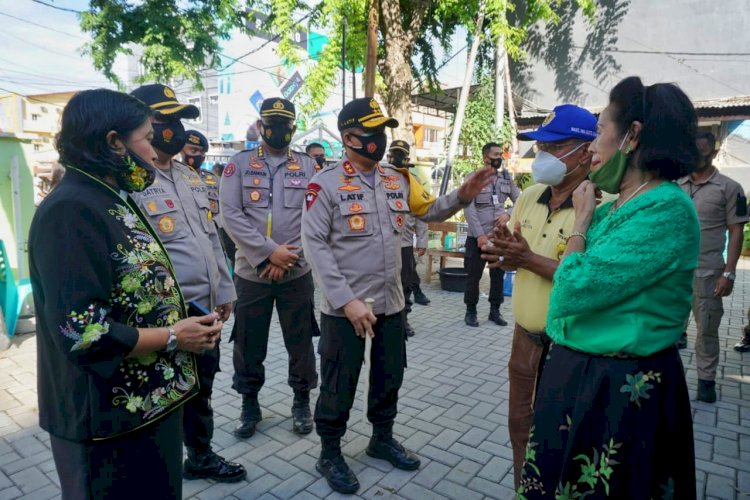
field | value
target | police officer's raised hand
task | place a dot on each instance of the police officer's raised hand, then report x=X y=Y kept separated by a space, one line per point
x=475 y=183
x=198 y=333
x=283 y=256
x=360 y=317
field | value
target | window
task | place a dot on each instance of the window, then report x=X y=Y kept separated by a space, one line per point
x=44 y=109
x=213 y=100
x=37 y=147
x=196 y=101
x=35 y=117
x=430 y=135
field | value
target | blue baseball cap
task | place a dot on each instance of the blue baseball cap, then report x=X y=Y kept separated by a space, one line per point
x=566 y=121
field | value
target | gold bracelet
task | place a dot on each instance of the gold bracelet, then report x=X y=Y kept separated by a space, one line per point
x=581 y=235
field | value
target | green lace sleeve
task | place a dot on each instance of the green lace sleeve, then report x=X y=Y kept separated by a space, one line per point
x=627 y=251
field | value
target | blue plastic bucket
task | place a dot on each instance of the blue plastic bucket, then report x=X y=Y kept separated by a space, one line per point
x=510 y=276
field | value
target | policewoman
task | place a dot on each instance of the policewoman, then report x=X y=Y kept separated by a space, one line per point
x=262 y=193
x=178 y=207
x=354 y=217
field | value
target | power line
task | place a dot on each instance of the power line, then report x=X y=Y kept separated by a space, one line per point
x=669 y=53
x=64 y=9
x=41 y=26
x=40 y=46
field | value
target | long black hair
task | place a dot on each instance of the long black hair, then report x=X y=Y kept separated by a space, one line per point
x=666 y=144
x=86 y=120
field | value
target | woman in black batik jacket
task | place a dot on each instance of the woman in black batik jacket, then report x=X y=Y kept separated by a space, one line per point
x=114 y=349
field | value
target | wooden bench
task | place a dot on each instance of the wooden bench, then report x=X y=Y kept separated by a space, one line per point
x=444 y=228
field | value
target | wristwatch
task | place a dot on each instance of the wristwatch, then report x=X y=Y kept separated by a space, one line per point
x=730 y=276
x=172 y=340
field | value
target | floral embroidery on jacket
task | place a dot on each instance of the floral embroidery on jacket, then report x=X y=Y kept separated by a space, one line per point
x=86 y=327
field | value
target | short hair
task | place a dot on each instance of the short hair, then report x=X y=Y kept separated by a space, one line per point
x=82 y=140
x=487 y=147
x=313 y=145
x=708 y=137
x=666 y=145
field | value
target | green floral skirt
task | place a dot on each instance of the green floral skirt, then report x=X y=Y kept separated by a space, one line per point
x=609 y=427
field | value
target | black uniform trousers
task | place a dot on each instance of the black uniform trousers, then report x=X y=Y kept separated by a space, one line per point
x=409 y=276
x=198 y=420
x=145 y=462
x=474 y=267
x=341 y=359
x=252 y=319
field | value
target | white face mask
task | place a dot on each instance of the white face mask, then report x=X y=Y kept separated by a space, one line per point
x=550 y=170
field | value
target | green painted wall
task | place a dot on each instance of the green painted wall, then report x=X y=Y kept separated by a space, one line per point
x=10 y=147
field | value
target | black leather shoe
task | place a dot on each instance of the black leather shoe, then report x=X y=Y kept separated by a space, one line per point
x=249 y=417
x=682 y=342
x=391 y=450
x=707 y=391
x=409 y=330
x=209 y=465
x=744 y=344
x=471 y=317
x=497 y=317
x=420 y=298
x=338 y=474
x=302 y=421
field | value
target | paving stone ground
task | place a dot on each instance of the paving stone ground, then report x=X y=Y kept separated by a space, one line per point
x=453 y=413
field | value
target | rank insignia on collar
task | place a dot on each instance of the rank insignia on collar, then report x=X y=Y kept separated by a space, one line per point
x=356 y=207
x=348 y=168
x=166 y=224
x=357 y=222
x=380 y=169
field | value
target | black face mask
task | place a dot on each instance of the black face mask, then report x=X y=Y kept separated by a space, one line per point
x=496 y=163
x=398 y=161
x=194 y=161
x=320 y=160
x=276 y=135
x=169 y=137
x=136 y=175
x=373 y=145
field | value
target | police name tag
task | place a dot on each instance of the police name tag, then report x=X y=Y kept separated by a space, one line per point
x=495 y=200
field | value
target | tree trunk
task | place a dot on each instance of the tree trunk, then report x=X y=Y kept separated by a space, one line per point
x=372 y=48
x=499 y=83
x=511 y=107
x=465 y=89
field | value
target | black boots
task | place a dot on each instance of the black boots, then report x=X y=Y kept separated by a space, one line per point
x=408 y=329
x=419 y=297
x=334 y=469
x=383 y=446
x=249 y=418
x=707 y=391
x=302 y=421
x=471 y=316
x=209 y=465
x=744 y=344
x=496 y=316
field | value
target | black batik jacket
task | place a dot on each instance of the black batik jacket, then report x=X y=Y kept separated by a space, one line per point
x=99 y=272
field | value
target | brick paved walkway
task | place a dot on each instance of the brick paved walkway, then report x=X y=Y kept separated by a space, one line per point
x=453 y=411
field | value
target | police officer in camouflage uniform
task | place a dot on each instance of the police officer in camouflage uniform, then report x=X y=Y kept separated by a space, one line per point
x=355 y=213
x=262 y=193
x=178 y=207
x=398 y=156
x=487 y=209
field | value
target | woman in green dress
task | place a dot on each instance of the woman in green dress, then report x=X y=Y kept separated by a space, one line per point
x=612 y=413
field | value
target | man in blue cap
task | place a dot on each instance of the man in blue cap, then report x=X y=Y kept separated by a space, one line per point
x=532 y=245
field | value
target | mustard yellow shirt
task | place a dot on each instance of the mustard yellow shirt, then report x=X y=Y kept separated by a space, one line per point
x=547 y=234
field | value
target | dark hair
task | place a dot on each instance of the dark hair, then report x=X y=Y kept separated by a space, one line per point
x=313 y=145
x=218 y=169
x=86 y=120
x=708 y=137
x=486 y=148
x=666 y=144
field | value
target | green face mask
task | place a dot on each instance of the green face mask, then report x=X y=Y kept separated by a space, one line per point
x=609 y=175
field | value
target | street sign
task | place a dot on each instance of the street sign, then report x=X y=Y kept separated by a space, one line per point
x=292 y=86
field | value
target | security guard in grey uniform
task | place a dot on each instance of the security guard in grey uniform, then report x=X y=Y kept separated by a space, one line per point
x=487 y=209
x=354 y=216
x=398 y=156
x=178 y=207
x=262 y=193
